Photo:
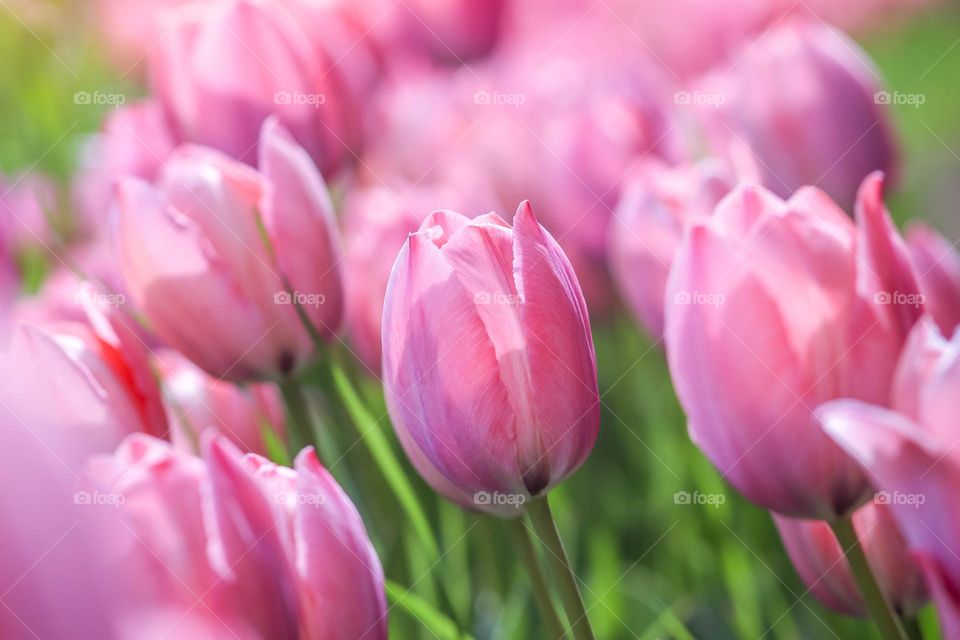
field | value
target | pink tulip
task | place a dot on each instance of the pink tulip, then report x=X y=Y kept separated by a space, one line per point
x=819 y=560
x=806 y=99
x=131 y=28
x=28 y=206
x=937 y=263
x=219 y=257
x=245 y=415
x=98 y=372
x=220 y=71
x=657 y=202
x=488 y=362
x=794 y=299
x=910 y=454
x=259 y=550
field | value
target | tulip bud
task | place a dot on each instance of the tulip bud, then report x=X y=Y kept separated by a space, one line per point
x=937 y=264
x=656 y=204
x=819 y=559
x=271 y=551
x=808 y=102
x=488 y=361
x=233 y=267
x=795 y=299
x=221 y=69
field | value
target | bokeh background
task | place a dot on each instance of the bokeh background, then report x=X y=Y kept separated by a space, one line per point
x=651 y=567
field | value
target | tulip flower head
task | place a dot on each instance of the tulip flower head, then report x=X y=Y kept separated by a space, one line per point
x=488 y=361
x=773 y=308
x=233 y=267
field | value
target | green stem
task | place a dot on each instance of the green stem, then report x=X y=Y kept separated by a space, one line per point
x=298 y=416
x=546 y=529
x=541 y=592
x=877 y=603
x=912 y=626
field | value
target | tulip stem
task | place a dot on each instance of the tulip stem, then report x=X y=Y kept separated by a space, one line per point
x=541 y=591
x=877 y=602
x=546 y=529
x=298 y=416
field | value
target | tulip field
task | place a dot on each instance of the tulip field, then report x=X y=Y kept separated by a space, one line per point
x=479 y=319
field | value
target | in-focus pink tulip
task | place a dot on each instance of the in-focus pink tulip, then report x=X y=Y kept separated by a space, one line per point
x=488 y=361
x=656 y=204
x=219 y=257
x=819 y=559
x=808 y=102
x=246 y=415
x=773 y=308
x=220 y=71
x=910 y=453
x=937 y=264
x=100 y=375
x=268 y=551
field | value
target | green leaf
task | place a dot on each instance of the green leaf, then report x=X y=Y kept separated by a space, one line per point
x=440 y=625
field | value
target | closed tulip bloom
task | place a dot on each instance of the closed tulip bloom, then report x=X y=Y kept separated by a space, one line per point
x=909 y=453
x=269 y=551
x=488 y=361
x=221 y=70
x=807 y=101
x=818 y=558
x=794 y=299
x=219 y=257
x=937 y=264
x=656 y=204
x=250 y=416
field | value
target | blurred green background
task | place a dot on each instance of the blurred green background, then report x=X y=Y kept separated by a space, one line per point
x=651 y=568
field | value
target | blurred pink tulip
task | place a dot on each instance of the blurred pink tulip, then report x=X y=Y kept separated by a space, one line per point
x=222 y=258
x=488 y=361
x=268 y=551
x=937 y=264
x=819 y=560
x=656 y=204
x=910 y=454
x=794 y=299
x=100 y=375
x=131 y=28
x=808 y=102
x=221 y=70
x=28 y=205
x=196 y=402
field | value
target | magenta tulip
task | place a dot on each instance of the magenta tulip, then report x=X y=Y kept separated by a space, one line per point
x=937 y=264
x=910 y=453
x=260 y=550
x=808 y=102
x=221 y=70
x=773 y=308
x=819 y=559
x=250 y=416
x=223 y=259
x=656 y=204
x=488 y=361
